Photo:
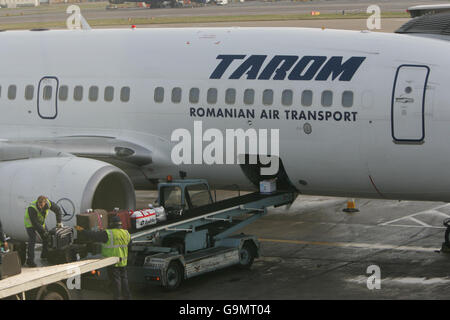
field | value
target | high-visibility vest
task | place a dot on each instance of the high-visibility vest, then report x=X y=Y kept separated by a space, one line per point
x=41 y=216
x=117 y=245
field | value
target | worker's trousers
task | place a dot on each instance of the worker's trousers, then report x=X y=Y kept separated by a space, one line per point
x=119 y=280
x=32 y=243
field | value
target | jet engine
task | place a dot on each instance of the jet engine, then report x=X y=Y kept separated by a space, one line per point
x=75 y=184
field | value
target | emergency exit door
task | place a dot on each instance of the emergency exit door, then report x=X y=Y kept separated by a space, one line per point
x=47 y=98
x=408 y=103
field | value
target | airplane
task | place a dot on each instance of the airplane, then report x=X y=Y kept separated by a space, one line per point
x=155 y=3
x=416 y=11
x=88 y=116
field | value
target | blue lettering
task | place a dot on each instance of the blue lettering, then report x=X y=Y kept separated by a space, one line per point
x=224 y=64
x=296 y=73
x=334 y=67
x=308 y=67
x=250 y=66
x=286 y=63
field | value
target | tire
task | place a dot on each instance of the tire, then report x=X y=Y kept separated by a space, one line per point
x=246 y=255
x=52 y=295
x=174 y=276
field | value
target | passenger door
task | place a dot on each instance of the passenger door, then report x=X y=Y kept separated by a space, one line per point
x=47 y=98
x=408 y=104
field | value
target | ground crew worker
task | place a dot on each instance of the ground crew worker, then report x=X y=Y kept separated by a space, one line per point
x=34 y=220
x=115 y=244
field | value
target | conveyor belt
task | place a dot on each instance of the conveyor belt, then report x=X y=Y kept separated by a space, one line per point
x=206 y=210
x=228 y=203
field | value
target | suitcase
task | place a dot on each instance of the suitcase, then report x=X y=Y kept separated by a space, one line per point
x=102 y=218
x=9 y=264
x=87 y=221
x=61 y=238
x=93 y=220
x=124 y=216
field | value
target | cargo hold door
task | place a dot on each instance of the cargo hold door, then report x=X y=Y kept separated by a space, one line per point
x=408 y=104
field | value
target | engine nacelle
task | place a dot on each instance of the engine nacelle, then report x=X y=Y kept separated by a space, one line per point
x=76 y=184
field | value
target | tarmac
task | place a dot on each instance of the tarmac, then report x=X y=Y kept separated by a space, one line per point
x=313 y=250
x=46 y=13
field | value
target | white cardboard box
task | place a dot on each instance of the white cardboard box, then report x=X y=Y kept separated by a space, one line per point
x=268 y=186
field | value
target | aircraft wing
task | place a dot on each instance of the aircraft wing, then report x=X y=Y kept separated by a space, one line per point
x=127 y=156
x=108 y=149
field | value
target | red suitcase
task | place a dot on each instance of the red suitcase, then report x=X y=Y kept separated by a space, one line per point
x=93 y=220
x=124 y=216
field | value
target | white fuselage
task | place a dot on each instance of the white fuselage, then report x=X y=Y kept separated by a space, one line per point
x=353 y=154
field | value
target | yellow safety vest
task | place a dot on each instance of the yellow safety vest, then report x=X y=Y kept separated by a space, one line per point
x=40 y=216
x=117 y=245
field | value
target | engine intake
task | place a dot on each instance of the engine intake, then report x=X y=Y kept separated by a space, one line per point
x=76 y=184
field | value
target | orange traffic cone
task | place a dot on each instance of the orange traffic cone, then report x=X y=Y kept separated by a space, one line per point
x=351 y=206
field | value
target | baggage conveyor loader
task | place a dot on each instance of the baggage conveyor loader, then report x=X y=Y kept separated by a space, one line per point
x=203 y=238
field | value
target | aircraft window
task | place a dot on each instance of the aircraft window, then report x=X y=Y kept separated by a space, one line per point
x=109 y=93
x=12 y=92
x=268 y=97
x=63 y=93
x=176 y=95
x=47 y=92
x=327 y=98
x=230 y=96
x=78 y=93
x=307 y=97
x=286 y=98
x=93 y=93
x=211 y=95
x=347 y=99
x=29 y=92
x=194 y=95
x=249 y=96
x=125 y=94
x=159 y=94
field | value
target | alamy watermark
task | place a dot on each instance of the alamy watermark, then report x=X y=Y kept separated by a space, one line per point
x=75 y=21
x=74 y=282
x=374 y=21
x=374 y=280
x=236 y=146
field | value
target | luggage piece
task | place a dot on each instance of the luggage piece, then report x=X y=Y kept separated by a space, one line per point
x=124 y=216
x=102 y=218
x=268 y=186
x=87 y=221
x=160 y=214
x=143 y=218
x=93 y=221
x=146 y=217
x=9 y=264
x=61 y=238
